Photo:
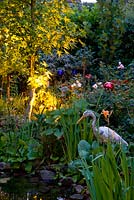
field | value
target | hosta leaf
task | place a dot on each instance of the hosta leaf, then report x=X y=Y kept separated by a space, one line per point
x=34 y=149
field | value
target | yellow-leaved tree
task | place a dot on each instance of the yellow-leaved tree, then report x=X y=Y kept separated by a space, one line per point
x=29 y=26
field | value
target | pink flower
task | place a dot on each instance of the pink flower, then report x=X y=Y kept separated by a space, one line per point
x=88 y=76
x=108 y=85
x=120 y=66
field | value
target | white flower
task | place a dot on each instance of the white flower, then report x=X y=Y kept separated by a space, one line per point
x=73 y=85
x=95 y=86
x=60 y=198
x=79 y=84
x=99 y=83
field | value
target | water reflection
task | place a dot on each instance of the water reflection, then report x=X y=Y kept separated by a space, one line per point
x=22 y=188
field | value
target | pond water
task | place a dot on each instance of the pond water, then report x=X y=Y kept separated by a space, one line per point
x=22 y=188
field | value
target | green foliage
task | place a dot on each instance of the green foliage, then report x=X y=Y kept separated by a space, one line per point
x=19 y=147
x=87 y=18
x=23 y=144
x=129 y=12
x=14 y=107
x=62 y=124
x=2 y=106
x=30 y=27
x=105 y=176
x=32 y=38
x=81 y=60
x=128 y=37
x=59 y=126
x=109 y=29
x=71 y=132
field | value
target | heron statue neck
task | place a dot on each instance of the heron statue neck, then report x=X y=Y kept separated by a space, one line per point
x=92 y=115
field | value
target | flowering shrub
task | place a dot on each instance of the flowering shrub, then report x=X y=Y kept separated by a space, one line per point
x=114 y=94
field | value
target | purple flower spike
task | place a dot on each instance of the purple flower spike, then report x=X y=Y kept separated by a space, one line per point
x=60 y=72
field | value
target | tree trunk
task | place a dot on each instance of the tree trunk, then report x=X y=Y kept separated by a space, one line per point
x=29 y=109
x=32 y=93
x=1 y=87
x=8 y=88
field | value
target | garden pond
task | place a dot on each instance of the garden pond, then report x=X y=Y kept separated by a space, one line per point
x=43 y=186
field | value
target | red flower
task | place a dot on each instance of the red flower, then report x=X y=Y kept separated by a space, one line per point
x=114 y=81
x=108 y=85
x=125 y=81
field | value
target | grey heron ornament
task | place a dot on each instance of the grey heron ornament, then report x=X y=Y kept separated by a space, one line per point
x=103 y=133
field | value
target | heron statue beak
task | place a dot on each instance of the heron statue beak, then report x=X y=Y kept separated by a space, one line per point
x=80 y=119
